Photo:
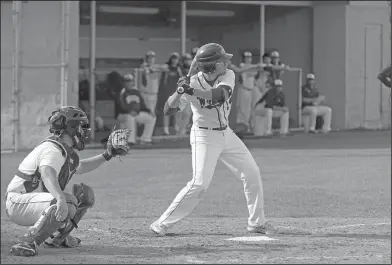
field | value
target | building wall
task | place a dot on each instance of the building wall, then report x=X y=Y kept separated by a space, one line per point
x=123 y=42
x=367 y=103
x=40 y=86
x=329 y=57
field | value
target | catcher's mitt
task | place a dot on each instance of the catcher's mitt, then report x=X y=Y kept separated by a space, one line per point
x=117 y=144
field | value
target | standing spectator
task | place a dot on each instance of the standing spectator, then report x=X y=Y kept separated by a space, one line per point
x=247 y=80
x=150 y=80
x=247 y=84
x=170 y=79
x=312 y=106
x=133 y=110
x=84 y=84
x=275 y=69
x=261 y=86
x=272 y=104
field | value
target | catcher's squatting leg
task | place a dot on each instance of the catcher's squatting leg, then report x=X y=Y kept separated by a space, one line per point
x=85 y=199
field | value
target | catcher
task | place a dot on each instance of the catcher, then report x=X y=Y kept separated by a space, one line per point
x=36 y=197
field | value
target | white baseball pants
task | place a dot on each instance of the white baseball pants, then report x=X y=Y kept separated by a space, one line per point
x=244 y=106
x=25 y=209
x=128 y=121
x=207 y=147
x=263 y=120
x=151 y=101
x=311 y=113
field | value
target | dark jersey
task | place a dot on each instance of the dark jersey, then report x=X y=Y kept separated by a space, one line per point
x=272 y=98
x=309 y=92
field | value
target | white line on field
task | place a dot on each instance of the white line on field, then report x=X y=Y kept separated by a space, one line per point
x=354 y=225
x=191 y=259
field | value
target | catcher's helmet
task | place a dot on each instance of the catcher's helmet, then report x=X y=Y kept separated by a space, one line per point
x=209 y=55
x=73 y=121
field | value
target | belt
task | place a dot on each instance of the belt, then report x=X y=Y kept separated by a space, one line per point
x=214 y=129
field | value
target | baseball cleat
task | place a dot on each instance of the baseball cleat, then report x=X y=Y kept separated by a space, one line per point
x=262 y=229
x=158 y=229
x=24 y=249
x=68 y=242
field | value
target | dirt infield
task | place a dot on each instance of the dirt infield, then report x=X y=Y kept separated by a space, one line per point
x=333 y=194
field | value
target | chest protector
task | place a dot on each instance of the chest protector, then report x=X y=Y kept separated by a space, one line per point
x=71 y=163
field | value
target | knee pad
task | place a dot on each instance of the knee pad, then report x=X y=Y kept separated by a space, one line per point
x=84 y=195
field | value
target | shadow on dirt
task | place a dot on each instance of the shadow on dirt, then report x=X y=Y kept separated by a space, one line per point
x=356 y=236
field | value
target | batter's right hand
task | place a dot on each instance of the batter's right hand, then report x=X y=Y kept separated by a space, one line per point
x=62 y=209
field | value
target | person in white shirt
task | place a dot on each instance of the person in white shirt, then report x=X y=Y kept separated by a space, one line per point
x=35 y=196
x=209 y=91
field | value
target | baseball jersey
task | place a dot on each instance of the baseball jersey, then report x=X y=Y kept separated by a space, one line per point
x=272 y=98
x=208 y=113
x=308 y=92
x=248 y=78
x=150 y=80
x=131 y=100
x=51 y=152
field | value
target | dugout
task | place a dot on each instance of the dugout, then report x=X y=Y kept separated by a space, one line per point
x=345 y=43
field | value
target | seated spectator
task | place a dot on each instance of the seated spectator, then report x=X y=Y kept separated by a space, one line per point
x=99 y=122
x=312 y=106
x=272 y=104
x=84 y=84
x=133 y=110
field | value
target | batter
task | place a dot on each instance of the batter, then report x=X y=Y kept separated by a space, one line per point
x=209 y=91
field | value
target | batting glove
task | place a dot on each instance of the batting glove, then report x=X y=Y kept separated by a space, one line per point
x=185 y=89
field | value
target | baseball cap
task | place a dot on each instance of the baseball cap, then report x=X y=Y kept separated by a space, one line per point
x=278 y=82
x=128 y=77
x=150 y=53
x=247 y=54
x=275 y=54
x=310 y=76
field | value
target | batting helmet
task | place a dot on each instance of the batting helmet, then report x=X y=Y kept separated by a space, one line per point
x=209 y=55
x=72 y=121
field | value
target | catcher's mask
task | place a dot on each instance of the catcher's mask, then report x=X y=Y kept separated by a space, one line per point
x=210 y=56
x=72 y=121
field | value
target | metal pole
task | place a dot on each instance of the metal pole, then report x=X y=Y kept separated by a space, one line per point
x=262 y=31
x=183 y=27
x=16 y=8
x=299 y=102
x=93 y=7
x=62 y=69
x=66 y=49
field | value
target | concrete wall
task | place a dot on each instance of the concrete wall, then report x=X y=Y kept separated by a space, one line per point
x=366 y=96
x=40 y=87
x=120 y=42
x=329 y=57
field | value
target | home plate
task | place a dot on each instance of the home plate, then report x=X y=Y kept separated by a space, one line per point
x=252 y=239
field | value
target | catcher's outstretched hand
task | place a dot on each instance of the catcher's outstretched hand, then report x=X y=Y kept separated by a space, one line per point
x=117 y=144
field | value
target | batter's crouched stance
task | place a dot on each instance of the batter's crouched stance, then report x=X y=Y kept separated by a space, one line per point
x=36 y=197
x=209 y=93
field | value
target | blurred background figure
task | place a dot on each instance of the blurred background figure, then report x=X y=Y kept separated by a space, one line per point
x=194 y=51
x=169 y=86
x=183 y=117
x=313 y=106
x=84 y=83
x=272 y=104
x=151 y=74
x=275 y=69
x=247 y=83
x=133 y=111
